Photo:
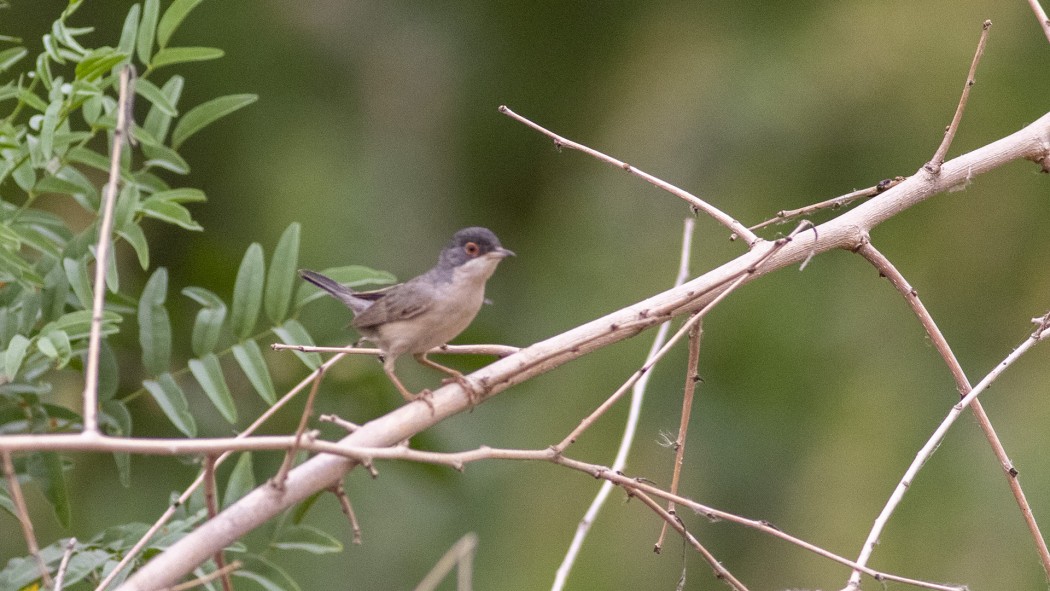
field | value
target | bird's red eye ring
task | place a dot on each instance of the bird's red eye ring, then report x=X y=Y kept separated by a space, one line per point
x=472 y=249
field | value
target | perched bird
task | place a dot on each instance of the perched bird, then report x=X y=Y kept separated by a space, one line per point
x=425 y=311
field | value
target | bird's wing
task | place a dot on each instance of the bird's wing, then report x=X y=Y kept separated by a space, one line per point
x=375 y=294
x=398 y=302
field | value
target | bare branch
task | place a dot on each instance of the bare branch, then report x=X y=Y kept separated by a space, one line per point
x=222 y=572
x=785 y=215
x=848 y=230
x=888 y=270
x=460 y=555
x=633 y=416
x=934 y=165
x=132 y=554
x=691 y=379
x=1040 y=14
x=933 y=442
x=71 y=545
x=308 y=410
x=698 y=204
x=102 y=254
x=19 y=500
x=344 y=503
x=496 y=350
x=671 y=519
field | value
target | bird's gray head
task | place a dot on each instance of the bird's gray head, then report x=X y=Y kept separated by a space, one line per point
x=470 y=244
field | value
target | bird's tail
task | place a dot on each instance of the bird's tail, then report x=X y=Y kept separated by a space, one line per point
x=336 y=289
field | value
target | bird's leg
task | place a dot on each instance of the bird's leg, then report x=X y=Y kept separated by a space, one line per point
x=458 y=377
x=388 y=368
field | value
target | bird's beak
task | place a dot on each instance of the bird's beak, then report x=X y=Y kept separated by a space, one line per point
x=503 y=253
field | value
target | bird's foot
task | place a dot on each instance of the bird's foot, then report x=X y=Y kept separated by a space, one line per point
x=473 y=392
x=425 y=396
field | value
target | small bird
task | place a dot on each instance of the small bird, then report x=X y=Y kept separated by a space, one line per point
x=425 y=311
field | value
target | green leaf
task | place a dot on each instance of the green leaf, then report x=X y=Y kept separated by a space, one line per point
x=263 y=582
x=250 y=358
x=127 y=205
x=98 y=63
x=112 y=275
x=169 y=212
x=15 y=354
x=164 y=157
x=208 y=372
x=77 y=275
x=281 y=277
x=54 y=184
x=172 y=18
x=155 y=96
x=116 y=418
x=24 y=175
x=353 y=276
x=241 y=482
x=208 y=326
x=293 y=333
x=30 y=98
x=10 y=57
x=154 y=324
x=15 y=268
x=89 y=157
x=147 y=28
x=116 y=421
x=307 y=538
x=137 y=239
x=46 y=470
x=247 y=292
x=304 y=507
x=172 y=401
x=157 y=121
x=128 y=33
x=78 y=323
x=181 y=195
x=207 y=113
x=56 y=346
x=108 y=372
x=47 y=128
x=178 y=55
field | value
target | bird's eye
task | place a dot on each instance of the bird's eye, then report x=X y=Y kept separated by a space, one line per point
x=472 y=249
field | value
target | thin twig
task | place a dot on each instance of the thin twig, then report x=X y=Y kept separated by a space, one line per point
x=692 y=378
x=934 y=165
x=71 y=545
x=1040 y=14
x=697 y=317
x=630 y=428
x=457 y=460
x=22 y=511
x=786 y=215
x=495 y=350
x=222 y=572
x=344 y=503
x=308 y=410
x=102 y=253
x=924 y=454
x=170 y=511
x=339 y=422
x=671 y=519
x=888 y=270
x=697 y=204
x=460 y=555
x=212 y=505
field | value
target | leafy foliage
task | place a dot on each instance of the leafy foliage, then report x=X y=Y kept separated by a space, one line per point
x=56 y=132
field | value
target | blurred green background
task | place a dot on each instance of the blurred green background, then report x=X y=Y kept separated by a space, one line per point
x=377 y=129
